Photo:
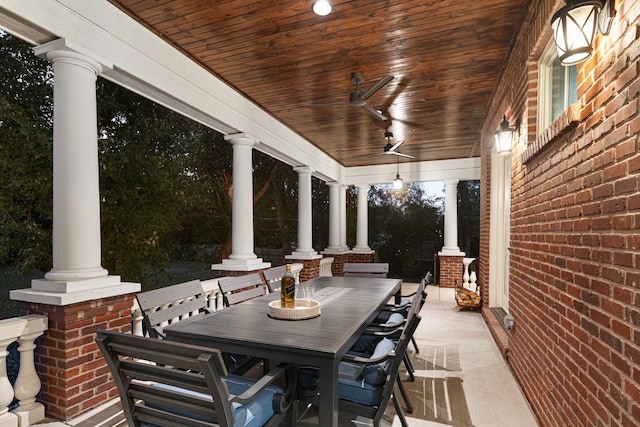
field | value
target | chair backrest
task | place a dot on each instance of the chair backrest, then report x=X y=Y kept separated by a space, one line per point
x=368 y=269
x=376 y=411
x=273 y=276
x=167 y=383
x=241 y=288
x=164 y=306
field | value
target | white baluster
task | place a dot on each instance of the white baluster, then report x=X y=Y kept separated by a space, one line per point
x=7 y=419
x=136 y=327
x=465 y=277
x=473 y=279
x=28 y=383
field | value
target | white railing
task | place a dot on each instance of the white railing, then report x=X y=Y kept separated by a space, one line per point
x=469 y=279
x=24 y=330
x=212 y=295
x=325 y=266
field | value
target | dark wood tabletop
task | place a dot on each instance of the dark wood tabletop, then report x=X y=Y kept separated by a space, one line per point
x=349 y=304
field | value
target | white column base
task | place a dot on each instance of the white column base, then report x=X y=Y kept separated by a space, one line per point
x=451 y=252
x=247 y=264
x=335 y=251
x=303 y=255
x=362 y=250
x=44 y=291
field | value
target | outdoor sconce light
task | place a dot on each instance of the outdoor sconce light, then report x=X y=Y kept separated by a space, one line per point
x=574 y=28
x=504 y=137
x=397 y=182
x=322 y=7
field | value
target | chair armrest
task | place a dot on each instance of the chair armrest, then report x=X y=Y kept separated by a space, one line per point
x=367 y=360
x=382 y=332
x=289 y=372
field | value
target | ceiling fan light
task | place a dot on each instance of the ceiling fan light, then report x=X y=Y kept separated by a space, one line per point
x=574 y=30
x=397 y=183
x=322 y=7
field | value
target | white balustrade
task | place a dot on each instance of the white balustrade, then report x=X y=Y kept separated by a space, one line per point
x=469 y=279
x=25 y=330
x=325 y=267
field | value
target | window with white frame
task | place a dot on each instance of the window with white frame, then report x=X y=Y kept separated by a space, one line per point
x=556 y=87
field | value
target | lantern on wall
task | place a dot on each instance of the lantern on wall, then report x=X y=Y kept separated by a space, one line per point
x=575 y=26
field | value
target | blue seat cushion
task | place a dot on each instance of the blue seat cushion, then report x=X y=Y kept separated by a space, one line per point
x=254 y=414
x=359 y=391
x=377 y=374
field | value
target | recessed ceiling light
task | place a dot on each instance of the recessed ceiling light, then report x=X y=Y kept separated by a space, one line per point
x=322 y=7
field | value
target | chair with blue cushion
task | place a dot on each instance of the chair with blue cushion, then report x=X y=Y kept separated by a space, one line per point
x=169 y=384
x=366 y=384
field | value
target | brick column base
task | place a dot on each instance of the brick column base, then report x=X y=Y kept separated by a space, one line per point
x=356 y=257
x=310 y=269
x=337 y=267
x=450 y=271
x=74 y=375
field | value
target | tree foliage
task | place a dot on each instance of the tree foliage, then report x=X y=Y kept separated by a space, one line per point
x=402 y=224
x=26 y=116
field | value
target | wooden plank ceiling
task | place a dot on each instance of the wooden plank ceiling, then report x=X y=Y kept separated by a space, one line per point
x=445 y=56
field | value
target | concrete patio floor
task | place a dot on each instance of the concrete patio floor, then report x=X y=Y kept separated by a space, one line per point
x=462 y=379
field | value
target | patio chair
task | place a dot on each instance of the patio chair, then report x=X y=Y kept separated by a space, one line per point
x=164 y=306
x=272 y=277
x=241 y=288
x=170 y=384
x=370 y=269
x=366 y=384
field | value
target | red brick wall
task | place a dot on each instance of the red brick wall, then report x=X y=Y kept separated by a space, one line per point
x=575 y=216
x=364 y=258
x=73 y=373
x=450 y=271
x=337 y=266
x=310 y=269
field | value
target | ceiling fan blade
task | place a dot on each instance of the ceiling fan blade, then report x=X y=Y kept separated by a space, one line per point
x=377 y=87
x=374 y=112
x=399 y=154
x=398 y=144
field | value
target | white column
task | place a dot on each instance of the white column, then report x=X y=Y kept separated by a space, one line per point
x=334 y=217
x=305 y=215
x=343 y=217
x=362 y=236
x=76 y=187
x=242 y=256
x=451 y=218
x=77 y=273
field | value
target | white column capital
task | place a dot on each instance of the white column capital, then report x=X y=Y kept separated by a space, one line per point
x=241 y=138
x=65 y=50
x=304 y=170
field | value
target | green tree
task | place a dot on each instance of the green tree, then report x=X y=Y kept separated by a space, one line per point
x=145 y=180
x=26 y=117
x=400 y=224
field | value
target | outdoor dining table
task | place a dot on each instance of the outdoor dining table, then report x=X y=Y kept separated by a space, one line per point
x=348 y=305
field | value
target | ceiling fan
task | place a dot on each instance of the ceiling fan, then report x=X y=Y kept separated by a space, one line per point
x=393 y=148
x=358 y=98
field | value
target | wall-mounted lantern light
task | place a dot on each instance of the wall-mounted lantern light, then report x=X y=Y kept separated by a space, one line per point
x=575 y=25
x=504 y=137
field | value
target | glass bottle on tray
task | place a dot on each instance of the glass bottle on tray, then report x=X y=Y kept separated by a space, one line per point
x=287 y=289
